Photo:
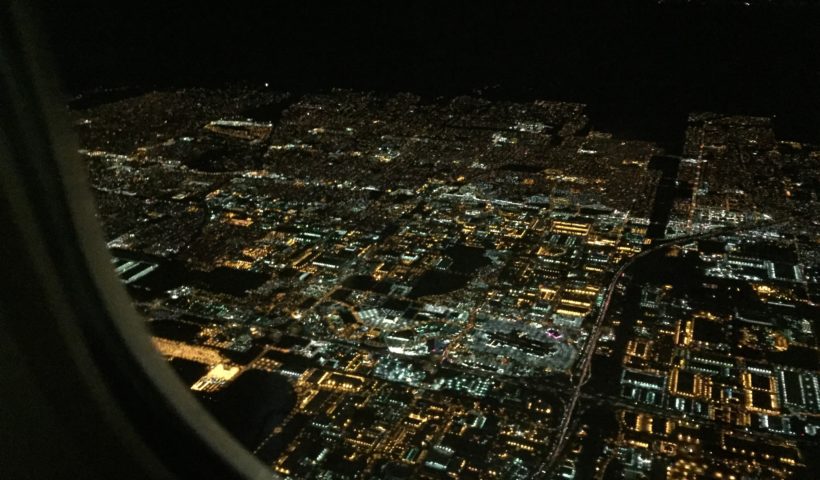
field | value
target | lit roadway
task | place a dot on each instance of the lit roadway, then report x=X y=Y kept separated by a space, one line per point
x=586 y=358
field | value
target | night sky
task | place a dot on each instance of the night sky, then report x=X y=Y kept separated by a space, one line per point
x=640 y=66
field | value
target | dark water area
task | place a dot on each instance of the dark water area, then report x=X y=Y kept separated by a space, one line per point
x=289 y=341
x=397 y=304
x=665 y=194
x=359 y=282
x=292 y=362
x=287 y=229
x=211 y=160
x=606 y=368
x=796 y=356
x=601 y=424
x=101 y=96
x=222 y=155
x=390 y=229
x=247 y=356
x=273 y=448
x=202 y=321
x=657 y=268
x=271 y=112
x=189 y=371
x=307 y=303
x=174 y=330
x=340 y=294
x=436 y=282
x=711 y=247
x=667 y=165
x=172 y=274
x=347 y=316
x=595 y=210
x=466 y=260
x=723 y=296
x=681 y=272
x=224 y=280
x=643 y=122
x=642 y=67
x=252 y=406
x=768 y=251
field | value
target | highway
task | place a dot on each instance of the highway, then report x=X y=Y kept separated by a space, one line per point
x=584 y=371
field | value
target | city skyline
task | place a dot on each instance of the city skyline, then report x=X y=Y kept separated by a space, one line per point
x=562 y=240
x=450 y=287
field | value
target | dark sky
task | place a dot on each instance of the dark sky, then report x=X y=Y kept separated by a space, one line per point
x=631 y=60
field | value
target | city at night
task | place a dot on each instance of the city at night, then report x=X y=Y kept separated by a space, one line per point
x=416 y=242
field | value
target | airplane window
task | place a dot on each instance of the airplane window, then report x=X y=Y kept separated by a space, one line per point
x=514 y=241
